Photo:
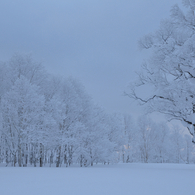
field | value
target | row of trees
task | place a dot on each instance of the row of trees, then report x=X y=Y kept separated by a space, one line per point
x=46 y=119
x=147 y=141
x=51 y=121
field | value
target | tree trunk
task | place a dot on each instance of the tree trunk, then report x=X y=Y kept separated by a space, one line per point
x=41 y=155
x=58 y=157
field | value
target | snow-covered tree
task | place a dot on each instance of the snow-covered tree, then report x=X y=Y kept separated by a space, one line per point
x=146 y=139
x=170 y=71
x=162 y=142
x=188 y=149
x=176 y=145
x=129 y=135
x=23 y=113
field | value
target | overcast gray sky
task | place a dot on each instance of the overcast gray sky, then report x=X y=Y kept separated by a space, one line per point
x=92 y=40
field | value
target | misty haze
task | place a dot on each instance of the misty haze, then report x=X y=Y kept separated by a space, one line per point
x=97 y=97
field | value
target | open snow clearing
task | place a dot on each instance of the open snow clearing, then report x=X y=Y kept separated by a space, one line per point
x=119 y=179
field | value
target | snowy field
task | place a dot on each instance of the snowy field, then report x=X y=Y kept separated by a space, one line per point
x=127 y=179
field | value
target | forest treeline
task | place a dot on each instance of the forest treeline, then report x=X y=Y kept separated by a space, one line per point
x=47 y=120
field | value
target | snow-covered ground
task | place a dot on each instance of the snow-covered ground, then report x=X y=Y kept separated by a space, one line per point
x=127 y=179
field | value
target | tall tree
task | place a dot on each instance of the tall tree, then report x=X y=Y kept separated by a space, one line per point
x=146 y=138
x=170 y=71
x=23 y=119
